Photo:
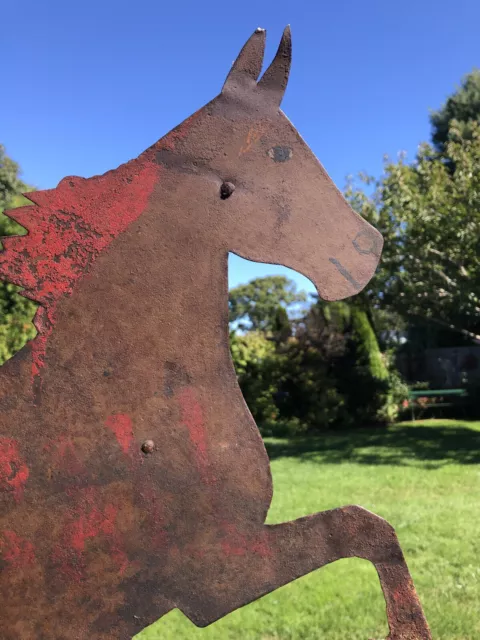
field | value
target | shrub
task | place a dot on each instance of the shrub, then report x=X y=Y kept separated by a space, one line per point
x=258 y=371
x=329 y=373
x=372 y=388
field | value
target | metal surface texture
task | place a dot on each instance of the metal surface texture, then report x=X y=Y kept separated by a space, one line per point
x=133 y=479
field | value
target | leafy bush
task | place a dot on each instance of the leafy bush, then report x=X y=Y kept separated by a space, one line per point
x=283 y=428
x=328 y=374
x=372 y=388
x=396 y=399
x=259 y=371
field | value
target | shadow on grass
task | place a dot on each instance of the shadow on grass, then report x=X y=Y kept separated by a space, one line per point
x=406 y=445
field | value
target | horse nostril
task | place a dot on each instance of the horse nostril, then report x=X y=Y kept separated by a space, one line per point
x=226 y=190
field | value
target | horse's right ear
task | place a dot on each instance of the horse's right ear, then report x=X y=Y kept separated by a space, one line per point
x=247 y=67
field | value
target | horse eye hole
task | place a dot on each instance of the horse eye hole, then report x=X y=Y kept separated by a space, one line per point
x=280 y=154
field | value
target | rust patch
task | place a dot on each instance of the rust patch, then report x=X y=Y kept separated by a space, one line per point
x=176 y=377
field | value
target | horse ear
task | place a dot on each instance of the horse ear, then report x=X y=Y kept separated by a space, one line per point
x=248 y=65
x=275 y=78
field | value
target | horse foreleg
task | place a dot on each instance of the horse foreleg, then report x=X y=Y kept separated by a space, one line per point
x=309 y=543
x=281 y=553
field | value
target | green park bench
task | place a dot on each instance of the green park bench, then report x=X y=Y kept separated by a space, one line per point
x=447 y=395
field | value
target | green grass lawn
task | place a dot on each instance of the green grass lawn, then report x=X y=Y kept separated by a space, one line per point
x=424 y=478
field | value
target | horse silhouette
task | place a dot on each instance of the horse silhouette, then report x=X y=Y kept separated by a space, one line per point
x=133 y=479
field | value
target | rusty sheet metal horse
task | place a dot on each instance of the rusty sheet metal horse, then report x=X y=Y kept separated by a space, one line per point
x=133 y=478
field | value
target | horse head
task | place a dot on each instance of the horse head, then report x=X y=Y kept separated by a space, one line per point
x=268 y=197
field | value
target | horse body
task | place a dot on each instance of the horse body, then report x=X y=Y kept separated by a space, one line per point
x=97 y=537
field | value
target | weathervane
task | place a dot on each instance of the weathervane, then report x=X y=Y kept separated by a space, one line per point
x=133 y=479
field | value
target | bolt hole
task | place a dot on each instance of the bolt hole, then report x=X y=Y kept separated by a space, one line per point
x=226 y=190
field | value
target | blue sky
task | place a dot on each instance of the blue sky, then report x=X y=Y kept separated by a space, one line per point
x=89 y=85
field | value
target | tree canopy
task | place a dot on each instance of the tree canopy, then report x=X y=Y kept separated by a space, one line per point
x=463 y=106
x=429 y=216
x=263 y=303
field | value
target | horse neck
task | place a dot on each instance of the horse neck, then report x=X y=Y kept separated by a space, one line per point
x=158 y=293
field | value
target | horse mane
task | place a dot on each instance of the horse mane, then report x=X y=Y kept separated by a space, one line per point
x=69 y=226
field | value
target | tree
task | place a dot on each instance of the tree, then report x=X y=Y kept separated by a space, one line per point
x=259 y=311
x=328 y=371
x=16 y=312
x=429 y=216
x=363 y=379
x=308 y=397
x=263 y=305
x=463 y=106
x=354 y=382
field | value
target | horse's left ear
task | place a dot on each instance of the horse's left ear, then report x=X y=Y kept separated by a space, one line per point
x=247 y=67
x=275 y=78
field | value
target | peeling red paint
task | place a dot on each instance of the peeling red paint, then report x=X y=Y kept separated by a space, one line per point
x=121 y=425
x=67 y=458
x=16 y=551
x=192 y=418
x=91 y=524
x=253 y=136
x=88 y=521
x=235 y=544
x=262 y=547
x=68 y=228
x=13 y=470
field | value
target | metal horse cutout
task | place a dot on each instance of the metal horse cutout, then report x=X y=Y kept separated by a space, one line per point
x=133 y=479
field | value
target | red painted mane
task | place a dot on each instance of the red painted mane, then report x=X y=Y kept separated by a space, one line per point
x=68 y=227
